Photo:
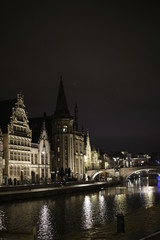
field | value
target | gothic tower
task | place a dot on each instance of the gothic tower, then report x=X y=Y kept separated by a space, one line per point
x=62 y=134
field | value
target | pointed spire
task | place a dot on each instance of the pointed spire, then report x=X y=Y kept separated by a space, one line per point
x=61 y=105
x=44 y=134
x=44 y=121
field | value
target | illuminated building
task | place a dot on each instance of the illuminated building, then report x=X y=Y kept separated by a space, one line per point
x=92 y=155
x=17 y=138
x=40 y=157
x=37 y=149
x=68 y=141
x=23 y=158
x=88 y=152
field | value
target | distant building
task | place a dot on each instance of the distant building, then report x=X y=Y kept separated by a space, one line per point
x=92 y=156
x=95 y=161
x=140 y=159
x=88 y=153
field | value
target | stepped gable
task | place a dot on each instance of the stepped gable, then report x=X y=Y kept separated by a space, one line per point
x=36 y=125
x=62 y=110
x=5 y=113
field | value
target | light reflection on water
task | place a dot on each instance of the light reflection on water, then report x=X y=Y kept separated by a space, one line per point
x=120 y=203
x=45 y=225
x=59 y=215
x=2 y=221
x=87 y=219
x=102 y=208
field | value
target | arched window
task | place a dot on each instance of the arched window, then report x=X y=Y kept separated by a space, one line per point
x=18 y=171
x=25 y=171
x=42 y=158
x=28 y=171
x=11 y=155
x=14 y=170
x=11 y=170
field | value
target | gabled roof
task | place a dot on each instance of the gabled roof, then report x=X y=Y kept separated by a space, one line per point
x=62 y=110
x=5 y=113
x=36 y=125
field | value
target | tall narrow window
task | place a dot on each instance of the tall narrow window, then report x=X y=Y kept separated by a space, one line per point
x=65 y=127
x=35 y=158
x=42 y=158
x=11 y=170
x=32 y=158
x=42 y=173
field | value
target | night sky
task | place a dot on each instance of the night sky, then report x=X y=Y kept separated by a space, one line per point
x=108 y=55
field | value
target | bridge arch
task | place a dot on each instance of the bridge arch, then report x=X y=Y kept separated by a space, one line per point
x=143 y=171
x=110 y=173
x=122 y=172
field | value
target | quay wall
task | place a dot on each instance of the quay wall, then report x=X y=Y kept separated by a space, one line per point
x=30 y=193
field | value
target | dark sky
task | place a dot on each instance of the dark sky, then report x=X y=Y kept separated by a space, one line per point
x=108 y=55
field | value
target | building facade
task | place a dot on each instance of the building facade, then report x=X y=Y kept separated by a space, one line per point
x=17 y=144
x=40 y=158
x=25 y=161
x=40 y=149
x=67 y=140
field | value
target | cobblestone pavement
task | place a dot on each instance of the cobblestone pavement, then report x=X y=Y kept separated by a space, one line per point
x=138 y=225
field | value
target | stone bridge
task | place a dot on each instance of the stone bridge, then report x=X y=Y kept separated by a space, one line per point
x=122 y=172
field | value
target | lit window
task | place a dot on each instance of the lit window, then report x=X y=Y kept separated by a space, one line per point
x=65 y=128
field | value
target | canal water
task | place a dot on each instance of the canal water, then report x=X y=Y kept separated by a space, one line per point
x=57 y=216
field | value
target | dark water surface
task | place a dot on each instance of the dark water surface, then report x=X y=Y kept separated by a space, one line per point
x=59 y=215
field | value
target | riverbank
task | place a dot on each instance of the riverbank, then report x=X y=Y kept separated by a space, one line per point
x=18 y=193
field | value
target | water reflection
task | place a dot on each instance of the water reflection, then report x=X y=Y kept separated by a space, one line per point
x=2 y=221
x=57 y=216
x=120 y=203
x=87 y=213
x=102 y=208
x=45 y=224
x=147 y=187
x=148 y=196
